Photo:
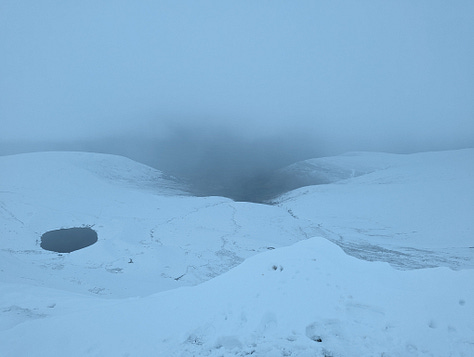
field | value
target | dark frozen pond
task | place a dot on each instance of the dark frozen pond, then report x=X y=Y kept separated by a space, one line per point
x=68 y=240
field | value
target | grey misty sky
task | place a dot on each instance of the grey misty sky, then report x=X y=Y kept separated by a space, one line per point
x=383 y=75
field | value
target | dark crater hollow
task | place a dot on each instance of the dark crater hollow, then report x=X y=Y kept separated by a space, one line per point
x=68 y=240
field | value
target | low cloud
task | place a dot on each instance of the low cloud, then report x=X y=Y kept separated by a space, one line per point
x=223 y=93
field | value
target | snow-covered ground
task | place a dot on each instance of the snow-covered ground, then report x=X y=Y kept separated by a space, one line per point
x=173 y=239
x=412 y=211
x=214 y=277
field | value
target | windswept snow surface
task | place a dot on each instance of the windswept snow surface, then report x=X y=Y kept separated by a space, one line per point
x=172 y=239
x=212 y=277
x=310 y=299
x=412 y=211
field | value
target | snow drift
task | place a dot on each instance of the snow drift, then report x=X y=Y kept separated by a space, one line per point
x=307 y=299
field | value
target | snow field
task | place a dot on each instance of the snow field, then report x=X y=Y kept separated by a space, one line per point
x=306 y=299
x=213 y=277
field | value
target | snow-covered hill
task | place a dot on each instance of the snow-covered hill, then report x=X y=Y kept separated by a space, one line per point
x=310 y=299
x=410 y=210
x=172 y=239
x=214 y=277
x=323 y=171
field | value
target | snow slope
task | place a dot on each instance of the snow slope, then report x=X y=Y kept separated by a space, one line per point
x=410 y=210
x=324 y=170
x=173 y=239
x=214 y=277
x=310 y=299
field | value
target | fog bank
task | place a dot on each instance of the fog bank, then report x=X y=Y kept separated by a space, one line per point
x=225 y=92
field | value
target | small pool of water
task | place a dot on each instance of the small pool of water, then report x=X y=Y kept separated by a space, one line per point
x=68 y=240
